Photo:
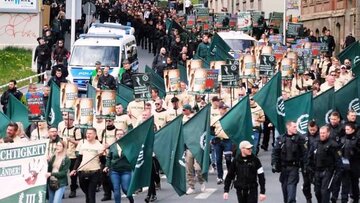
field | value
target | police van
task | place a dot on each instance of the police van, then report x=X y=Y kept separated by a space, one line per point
x=111 y=28
x=110 y=49
x=237 y=40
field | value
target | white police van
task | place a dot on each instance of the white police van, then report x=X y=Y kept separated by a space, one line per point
x=109 y=49
x=111 y=28
x=237 y=40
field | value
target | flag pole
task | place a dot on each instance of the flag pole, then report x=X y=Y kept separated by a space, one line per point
x=284 y=22
x=38 y=130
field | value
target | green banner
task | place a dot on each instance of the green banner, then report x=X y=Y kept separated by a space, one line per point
x=137 y=146
x=170 y=151
x=323 y=105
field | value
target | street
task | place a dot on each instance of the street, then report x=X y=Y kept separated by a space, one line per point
x=213 y=192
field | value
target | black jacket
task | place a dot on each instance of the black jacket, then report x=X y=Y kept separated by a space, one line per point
x=126 y=79
x=63 y=68
x=5 y=96
x=246 y=172
x=56 y=80
x=42 y=53
x=107 y=82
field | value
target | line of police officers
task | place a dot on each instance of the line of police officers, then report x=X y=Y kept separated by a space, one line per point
x=328 y=157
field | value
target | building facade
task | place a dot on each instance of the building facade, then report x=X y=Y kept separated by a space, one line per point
x=234 y=6
x=337 y=15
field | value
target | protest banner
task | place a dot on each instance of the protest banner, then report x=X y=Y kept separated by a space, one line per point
x=248 y=67
x=211 y=82
x=105 y=102
x=286 y=68
x=244 y=21
x=68 y=96
x=141 y=83
x=84 y=113
x=216 y=65
x=197 y=81
x=35 y=103
x=230 y=75
x=172 y=81
x=193 y=64
x=23 y=166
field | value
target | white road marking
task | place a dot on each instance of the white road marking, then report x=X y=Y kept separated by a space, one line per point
x=206 y=194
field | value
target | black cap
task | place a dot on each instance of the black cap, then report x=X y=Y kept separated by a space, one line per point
x=39 y=38
x=97 y=63
x=255 y=86
x=222 y=105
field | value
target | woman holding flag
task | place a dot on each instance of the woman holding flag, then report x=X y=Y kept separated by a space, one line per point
x=119 y=168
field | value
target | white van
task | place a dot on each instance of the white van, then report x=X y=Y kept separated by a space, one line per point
x=111 y=28
x=237 y=40
x=109 y=49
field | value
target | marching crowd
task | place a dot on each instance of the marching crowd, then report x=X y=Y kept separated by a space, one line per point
x=328 y=156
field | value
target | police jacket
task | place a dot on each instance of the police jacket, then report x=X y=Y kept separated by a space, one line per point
x=325 y=156
x=246 y=172
x=336 y=132
x=107 y=82
x=350 y=150
x=289 y=150
x=311 y=141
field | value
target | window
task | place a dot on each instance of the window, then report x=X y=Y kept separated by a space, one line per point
x=86 y=56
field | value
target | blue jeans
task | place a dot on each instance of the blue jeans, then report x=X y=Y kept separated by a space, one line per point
x=222 y=147
x=120 y=180
x=56 y=196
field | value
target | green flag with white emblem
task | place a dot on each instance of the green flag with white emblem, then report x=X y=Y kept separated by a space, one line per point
x=347 y=98
x=197 y=138
x=323 y=105
x=170 y=151
x=237 y=122
x=53 y=113
x=270 y=99
x=352 y=53
x=299 y=110
x=3 y=124
x=137 y=146
x=17 y=111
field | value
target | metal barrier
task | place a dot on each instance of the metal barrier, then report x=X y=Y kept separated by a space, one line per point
x=30 y=78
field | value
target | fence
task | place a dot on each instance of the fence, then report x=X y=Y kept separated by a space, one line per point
x=21 y=83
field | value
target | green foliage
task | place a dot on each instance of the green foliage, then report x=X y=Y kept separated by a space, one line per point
x=15 y=63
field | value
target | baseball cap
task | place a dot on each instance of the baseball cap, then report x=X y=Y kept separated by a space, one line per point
x=343 y=67
x=97 y=63
x=245 y=145
x=126 y=61
x=187 y=107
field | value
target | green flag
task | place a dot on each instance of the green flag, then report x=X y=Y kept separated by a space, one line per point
x=219 y=49
x=352 y=52
x=347 y=98
x=91 y=93
x=3 y=124
x=169 y=149
x=270 y=99
x=197 y=138
x=299 y=110
x=323 y=105
x=237 y=122
x=53 y=113
x=156 y=81
x=137 y=146
x=183 y=74
x=125 y=92
x=17 y=111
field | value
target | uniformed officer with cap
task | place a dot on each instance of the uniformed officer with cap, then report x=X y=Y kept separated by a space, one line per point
x=247 y=172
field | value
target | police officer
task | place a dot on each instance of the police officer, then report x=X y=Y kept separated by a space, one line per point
x=312 y=138
x=336 y=134
x=324 y=159
x=287 y=157
x=350 y=150
x=246 y=169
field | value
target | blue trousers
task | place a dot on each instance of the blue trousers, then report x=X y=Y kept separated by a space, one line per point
x=120 y=181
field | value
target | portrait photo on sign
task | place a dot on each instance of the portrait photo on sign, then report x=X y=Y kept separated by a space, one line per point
x=172 y=80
